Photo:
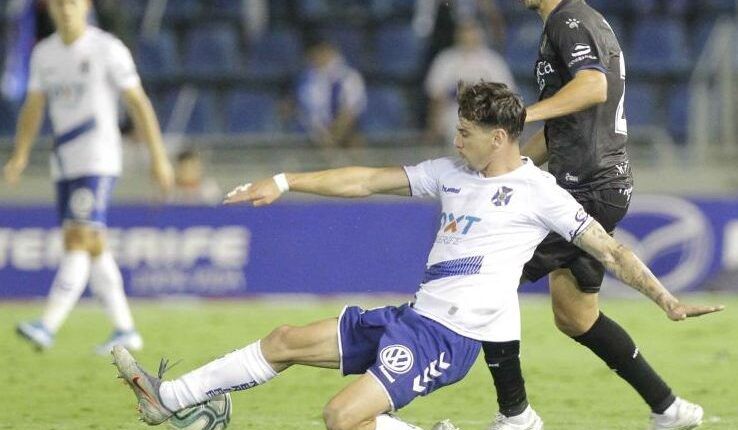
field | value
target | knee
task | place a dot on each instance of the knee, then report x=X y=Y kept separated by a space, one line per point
x=277 y=346
x=75 y=238
x=336 y=418
x=575 y=322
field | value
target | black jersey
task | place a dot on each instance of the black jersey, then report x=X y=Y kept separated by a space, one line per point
x=587 y=148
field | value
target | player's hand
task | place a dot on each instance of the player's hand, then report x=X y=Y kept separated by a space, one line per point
x=163 y=174
x=260 y=193
x=14 y=168
x=682 y=311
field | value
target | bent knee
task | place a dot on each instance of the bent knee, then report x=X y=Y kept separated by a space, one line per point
x=575 y=323
x=278 y=345
x=336 y=418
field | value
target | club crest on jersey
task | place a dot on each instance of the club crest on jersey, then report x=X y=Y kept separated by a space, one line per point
x=502 y=196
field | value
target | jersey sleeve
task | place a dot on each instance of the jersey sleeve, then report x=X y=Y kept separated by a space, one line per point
x=575 y=42
x=34 y=73
x=424 y=178
x=559 y=211
x=121 y=68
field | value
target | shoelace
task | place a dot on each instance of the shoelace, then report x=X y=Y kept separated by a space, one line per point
x=165 y=367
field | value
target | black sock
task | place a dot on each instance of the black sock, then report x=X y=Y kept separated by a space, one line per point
x=503 y=361
x=615 y=347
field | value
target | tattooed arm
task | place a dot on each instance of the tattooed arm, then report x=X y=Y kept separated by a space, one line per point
x=624 y=264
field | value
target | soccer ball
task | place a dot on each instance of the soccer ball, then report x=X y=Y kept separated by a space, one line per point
x=215 y=414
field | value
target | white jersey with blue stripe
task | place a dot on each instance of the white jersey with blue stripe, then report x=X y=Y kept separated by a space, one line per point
x=489 y=228
x=82 y=83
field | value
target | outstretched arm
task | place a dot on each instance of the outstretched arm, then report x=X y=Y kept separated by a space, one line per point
x=627 y=267
x=342 y=182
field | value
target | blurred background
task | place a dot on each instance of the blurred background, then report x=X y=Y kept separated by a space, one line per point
x=247 y=88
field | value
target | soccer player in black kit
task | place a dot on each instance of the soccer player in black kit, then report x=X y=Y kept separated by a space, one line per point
x=581 y=77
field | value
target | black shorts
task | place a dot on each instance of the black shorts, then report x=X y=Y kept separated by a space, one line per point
x=608 y=207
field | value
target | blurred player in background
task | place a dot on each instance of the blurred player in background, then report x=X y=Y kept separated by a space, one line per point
x=191 y=185
x=504 y=206
x=81 y=71
x=581 y=76
x=330 y=96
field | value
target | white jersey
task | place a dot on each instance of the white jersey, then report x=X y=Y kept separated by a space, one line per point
x=489 y=228
x=82 y=82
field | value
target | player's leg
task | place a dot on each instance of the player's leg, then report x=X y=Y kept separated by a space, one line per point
x=315 y=344
x=68 y=284
x=106 y=283
x=362 y=405
x=577 y=315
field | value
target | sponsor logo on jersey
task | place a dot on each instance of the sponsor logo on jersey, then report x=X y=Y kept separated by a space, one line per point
x=451 y=190
x=453 y=224
x=502 y=196
x=573 y=23
x=543 y=68
x=581 y=49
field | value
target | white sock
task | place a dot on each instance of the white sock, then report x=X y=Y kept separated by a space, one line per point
x=69 y=283
x=387 y=422
x=239 y=370
x=107 y=284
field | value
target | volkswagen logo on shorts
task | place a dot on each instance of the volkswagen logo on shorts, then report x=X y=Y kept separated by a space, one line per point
x=81 y=203
x=396 y=358
x=672 y=236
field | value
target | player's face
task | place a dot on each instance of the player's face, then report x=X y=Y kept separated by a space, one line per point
x=69 y=15
x=474 y=144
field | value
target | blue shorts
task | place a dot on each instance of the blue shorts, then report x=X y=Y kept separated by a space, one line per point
x=85 y=199
x=408 y=354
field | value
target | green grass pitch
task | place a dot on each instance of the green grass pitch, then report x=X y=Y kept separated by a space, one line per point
x=71 y=388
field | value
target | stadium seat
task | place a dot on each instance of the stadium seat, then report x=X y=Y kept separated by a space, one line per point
x=275 y=55
x=522 y=44
x=349 y=41
x=157 y=56
x=384 y=8
x=726 y=6
x=250 y=112
x=313 y=9
x=700 y=34
x=397 y=51
x=678 y=112
x=641 y=104
x=182 y=9
x=8 y=117
x=213 y=50
x=204 y=118
x=386 y=111
x=658 y=46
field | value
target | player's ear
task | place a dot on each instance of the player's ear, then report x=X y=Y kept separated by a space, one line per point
x=499 y=137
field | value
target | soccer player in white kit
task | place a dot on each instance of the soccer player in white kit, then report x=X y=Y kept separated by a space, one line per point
x=81 y=71
x=496 y=208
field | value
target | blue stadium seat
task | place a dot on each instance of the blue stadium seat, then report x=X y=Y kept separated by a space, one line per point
x=313 y=9
x=658 y=46
x=182 y=9
x=523 y=40
x=700 y=33
x=386 y=111
x=641 y=104
x=678 y=112
x=275 y=55
x=212 y=50
x=349 y=41
x=8 y=117
x=250 y=112
x=727 y=6
x=204 y=118
x=157 y=56
x=398 y=51
x=384 y=8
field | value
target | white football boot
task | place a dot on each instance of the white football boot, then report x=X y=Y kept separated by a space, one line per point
x=131 y=340
x=146 y=387
x=528 y=420
x=36 y=333
x=681 y=415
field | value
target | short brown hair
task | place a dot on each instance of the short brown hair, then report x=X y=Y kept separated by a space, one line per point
x=492 y=104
